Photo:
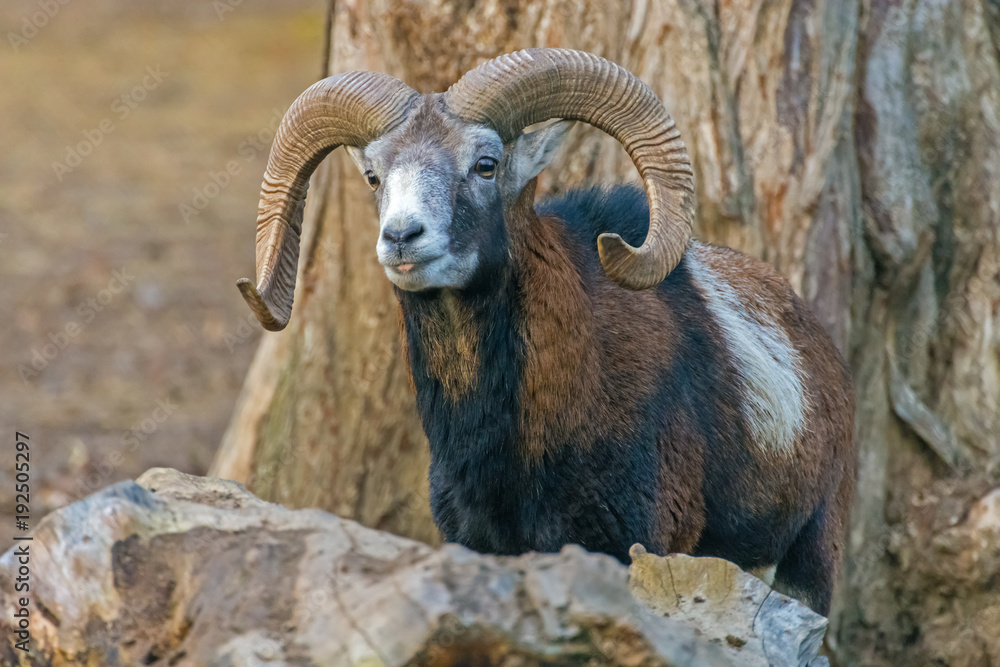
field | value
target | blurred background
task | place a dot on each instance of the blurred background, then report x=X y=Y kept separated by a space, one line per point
x=855 y=146
x=117 y=115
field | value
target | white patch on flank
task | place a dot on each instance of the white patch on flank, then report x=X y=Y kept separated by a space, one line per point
x=766 y=363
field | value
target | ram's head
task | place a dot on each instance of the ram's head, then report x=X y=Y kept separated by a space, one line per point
x=445 y=168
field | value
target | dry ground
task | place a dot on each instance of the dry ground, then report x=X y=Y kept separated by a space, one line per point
x=125 y=341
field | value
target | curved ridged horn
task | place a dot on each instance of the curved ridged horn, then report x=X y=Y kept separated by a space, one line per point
x=515 y=90
x=347 y=109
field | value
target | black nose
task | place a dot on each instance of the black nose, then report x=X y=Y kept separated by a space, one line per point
x=404 y=235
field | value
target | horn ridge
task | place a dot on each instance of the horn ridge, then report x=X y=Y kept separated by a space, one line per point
x=518 y=89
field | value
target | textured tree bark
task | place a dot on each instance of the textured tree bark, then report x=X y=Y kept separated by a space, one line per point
x=854 y=145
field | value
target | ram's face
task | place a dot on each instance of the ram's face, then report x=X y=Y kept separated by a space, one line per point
x=437 y=183
x=442 y=186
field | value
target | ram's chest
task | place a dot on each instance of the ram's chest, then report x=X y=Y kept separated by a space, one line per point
x=484 y=507
x=501 y=504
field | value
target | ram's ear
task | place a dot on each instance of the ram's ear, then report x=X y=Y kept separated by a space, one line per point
x=358 y=155
x=530 y=153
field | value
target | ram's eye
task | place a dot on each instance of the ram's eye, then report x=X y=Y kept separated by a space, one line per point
x=486 y=167
x=372 y=179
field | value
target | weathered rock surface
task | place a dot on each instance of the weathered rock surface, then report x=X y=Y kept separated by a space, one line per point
x=180 y=570
x=729 y=606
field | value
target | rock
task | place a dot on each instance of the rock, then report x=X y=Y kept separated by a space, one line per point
x=727 y=604
x=179 y=570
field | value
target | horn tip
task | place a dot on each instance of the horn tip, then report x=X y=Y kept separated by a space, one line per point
x=259 y=306
x=628 y=266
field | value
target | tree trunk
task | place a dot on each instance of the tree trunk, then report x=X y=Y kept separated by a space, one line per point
x=853 y=145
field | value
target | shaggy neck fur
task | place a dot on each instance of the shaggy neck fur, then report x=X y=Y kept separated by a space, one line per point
x=508 y=378
x=527 y=338
x=463 y=356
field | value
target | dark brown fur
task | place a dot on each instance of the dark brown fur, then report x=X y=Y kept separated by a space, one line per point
x=576 y=385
